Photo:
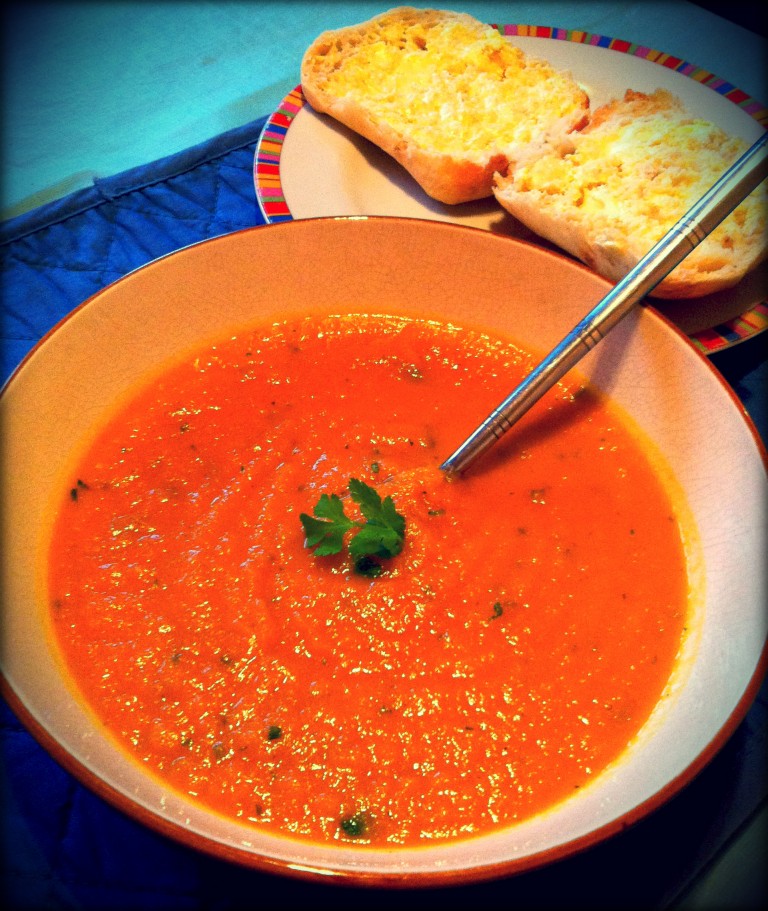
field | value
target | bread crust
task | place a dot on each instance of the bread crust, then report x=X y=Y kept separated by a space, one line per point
x=444 y=177
x=611 y=194
x=450 y=175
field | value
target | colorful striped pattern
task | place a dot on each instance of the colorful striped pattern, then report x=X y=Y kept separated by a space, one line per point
x=269 y=190
x=737 y=96
x=274 y=207
x=736 y=330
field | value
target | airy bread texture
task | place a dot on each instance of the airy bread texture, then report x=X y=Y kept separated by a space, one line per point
x=621 y=183
x=449 y=98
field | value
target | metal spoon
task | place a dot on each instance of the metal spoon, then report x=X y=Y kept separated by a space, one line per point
x=700 y=220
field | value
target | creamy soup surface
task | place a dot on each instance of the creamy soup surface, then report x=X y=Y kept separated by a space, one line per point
x=495 y=665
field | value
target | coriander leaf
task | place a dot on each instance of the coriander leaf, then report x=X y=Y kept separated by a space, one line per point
x=331 y=508
x=376 y=541
x=326 y=532
x=385 y=529
x=380 y=535
x=366 y=497
x=355 y=826
x=369 y=567
x=392 y=518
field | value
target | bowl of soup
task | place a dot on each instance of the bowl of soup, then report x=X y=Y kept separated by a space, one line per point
x=244 y=603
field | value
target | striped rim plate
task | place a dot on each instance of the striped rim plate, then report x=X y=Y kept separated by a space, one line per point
x=274 y=206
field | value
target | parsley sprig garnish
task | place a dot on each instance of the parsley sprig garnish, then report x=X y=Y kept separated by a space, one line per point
x=379 y=535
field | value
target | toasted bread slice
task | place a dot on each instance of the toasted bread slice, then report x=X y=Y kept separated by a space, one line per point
x=448 y=97
x=625 y=180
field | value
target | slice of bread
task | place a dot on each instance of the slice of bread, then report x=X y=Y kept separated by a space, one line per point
x=452 y=100
x=625 y=180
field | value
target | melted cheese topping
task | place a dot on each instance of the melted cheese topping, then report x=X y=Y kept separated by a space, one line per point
x=452 y=88
x=673 y=160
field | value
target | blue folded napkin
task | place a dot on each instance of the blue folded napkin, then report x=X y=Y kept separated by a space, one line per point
x=57 y=256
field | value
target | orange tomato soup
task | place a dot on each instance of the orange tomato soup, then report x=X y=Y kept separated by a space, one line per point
x=507 y=655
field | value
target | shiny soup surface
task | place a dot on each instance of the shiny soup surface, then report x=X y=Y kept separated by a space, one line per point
x=508 y=652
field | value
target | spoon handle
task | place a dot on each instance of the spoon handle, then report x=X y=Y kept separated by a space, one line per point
x=700 y=220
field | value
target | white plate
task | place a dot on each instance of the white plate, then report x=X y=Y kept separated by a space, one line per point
x=308 y=165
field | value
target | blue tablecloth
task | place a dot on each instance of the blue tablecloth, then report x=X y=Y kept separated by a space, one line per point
x=64 y=848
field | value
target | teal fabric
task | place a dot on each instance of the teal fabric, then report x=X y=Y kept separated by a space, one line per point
x=93 y=87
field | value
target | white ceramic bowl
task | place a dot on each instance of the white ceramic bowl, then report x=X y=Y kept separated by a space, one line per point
x=466 y=275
